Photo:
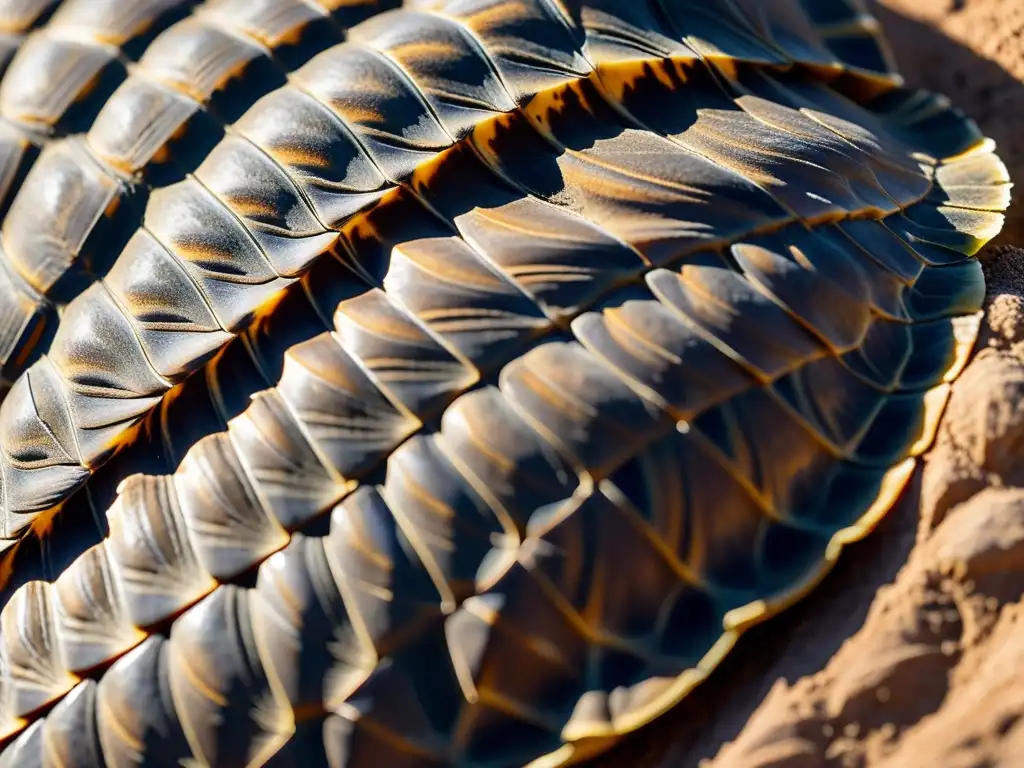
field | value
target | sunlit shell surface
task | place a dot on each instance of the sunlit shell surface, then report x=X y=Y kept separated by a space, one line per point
x=447 y=385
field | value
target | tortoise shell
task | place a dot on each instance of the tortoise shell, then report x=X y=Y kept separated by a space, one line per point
x=448 y=385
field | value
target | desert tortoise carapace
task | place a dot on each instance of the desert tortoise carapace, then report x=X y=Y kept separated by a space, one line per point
x=458 y=393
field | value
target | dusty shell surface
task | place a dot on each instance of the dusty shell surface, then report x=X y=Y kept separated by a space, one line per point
x=932 y=675
x=447 y=612
x=387 y=450
x=912 y=653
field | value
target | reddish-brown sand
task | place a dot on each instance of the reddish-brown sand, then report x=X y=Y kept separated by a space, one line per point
x=911 y=653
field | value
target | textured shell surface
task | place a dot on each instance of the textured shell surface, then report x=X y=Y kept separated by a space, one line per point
x=448 y=384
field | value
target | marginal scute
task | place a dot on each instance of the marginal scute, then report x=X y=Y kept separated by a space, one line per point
x=942 y=348
x=449 y=384
x=957 y=289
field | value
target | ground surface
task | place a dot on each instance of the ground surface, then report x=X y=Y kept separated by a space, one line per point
x=912 y=652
